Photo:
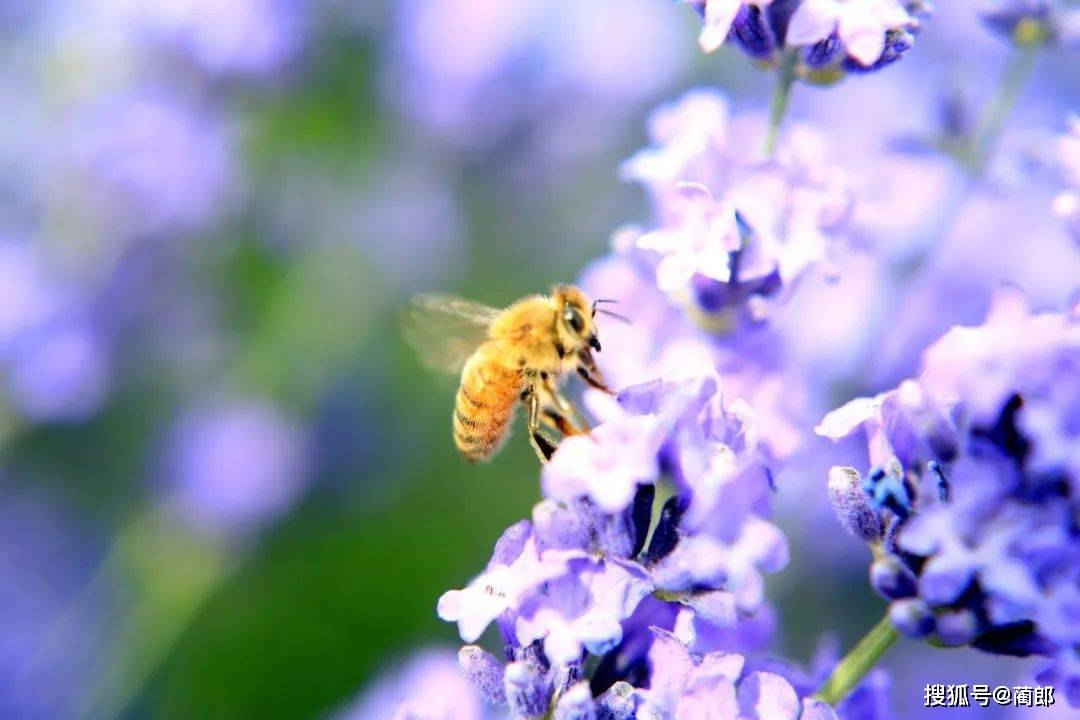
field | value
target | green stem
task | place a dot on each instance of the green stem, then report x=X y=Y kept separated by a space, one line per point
x=1014 y=79
x=858 y=662
x=785 y=79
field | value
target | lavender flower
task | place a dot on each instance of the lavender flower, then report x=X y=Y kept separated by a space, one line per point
x=576 y=704
x=736 y=229
x=484 y=672
x=852 y=505
x=234 y=464
x=735 y=236
x=830 y=36
x=655 y=520
x=609 y=464
x=976 y=477
x=566 y=627
x=55 y=359
x=563 y=601
x=516 y=569
x=710 y=454
x=723 y=685
x=59 y=372
x=152 y=162
x=1033 y=22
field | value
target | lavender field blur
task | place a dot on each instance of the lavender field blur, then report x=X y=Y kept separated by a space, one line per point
x=228 y=487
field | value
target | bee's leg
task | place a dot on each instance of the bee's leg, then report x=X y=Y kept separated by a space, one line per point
x=543 y=447
x=594 y=381
x=561 y=413
x=590 y=373
x=560 y=422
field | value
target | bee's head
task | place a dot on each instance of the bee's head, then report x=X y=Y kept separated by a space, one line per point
x=575 y=320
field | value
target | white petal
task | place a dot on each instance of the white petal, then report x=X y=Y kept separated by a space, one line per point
x=813 y=21
x=1066 y=204
x=718 y=17
x=864 y=41
x=662 y=241
x=560 y=645
x=843 y=421
x=674 y=272
x=767 y=695
x=449 y=605
x=613 y=494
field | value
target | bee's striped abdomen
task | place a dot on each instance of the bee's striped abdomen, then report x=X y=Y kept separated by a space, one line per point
x=484 y=407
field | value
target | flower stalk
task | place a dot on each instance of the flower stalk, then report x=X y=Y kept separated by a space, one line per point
x=1014 y=79
x=785 y=79
x=862 y=658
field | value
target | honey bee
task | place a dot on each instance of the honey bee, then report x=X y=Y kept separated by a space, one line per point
x=519 y=355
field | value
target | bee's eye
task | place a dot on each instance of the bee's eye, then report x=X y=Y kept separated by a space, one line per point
x=574 y=320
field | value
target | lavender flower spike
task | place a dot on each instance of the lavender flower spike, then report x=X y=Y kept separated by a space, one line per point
x=578 y=594
x=982 y=453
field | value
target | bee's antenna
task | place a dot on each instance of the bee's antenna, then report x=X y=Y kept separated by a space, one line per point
x=617 y=316
x=601 y=300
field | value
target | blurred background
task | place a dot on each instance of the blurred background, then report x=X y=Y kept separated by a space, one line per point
x=227 y=487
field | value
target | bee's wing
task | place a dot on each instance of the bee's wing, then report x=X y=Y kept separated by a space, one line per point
x=446 y=329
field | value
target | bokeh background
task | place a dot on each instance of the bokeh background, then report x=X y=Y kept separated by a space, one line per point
x=227 y=486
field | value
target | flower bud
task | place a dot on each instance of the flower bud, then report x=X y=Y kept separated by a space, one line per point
x=618 y=703
x=957 y=628
x=484 y=672
x=816 y=710
x=892 y=579
x=851 y=505
x=576 y=704
x=528 y=692
x=510 y=545
x=912 y=617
